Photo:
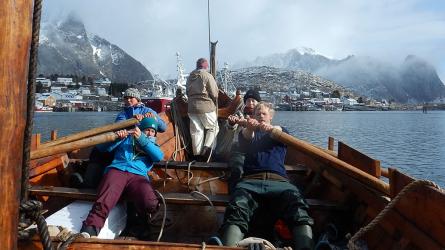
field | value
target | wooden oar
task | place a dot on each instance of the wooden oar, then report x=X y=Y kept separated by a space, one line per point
x=91 y=132
x=331 y=160
x=70 y=146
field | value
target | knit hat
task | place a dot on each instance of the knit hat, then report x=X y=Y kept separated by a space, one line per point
x=252 y=93
x=132 y=92
x=148 y=122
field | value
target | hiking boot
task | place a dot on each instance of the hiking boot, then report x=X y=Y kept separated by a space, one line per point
x=302 y=237
x=215 y=241
x=231 y=235
x=205 y=154
x=91 y=230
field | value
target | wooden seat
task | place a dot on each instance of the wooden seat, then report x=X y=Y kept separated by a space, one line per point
x=216 y=166
x=170 y=198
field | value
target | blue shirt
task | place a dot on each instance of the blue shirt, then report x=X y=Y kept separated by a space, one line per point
x=133 y=155
x=263 y=154
x=140 y=109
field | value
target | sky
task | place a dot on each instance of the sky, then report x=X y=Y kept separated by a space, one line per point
x=153 y=31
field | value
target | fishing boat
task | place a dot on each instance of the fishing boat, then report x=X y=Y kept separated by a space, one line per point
x=351 y=196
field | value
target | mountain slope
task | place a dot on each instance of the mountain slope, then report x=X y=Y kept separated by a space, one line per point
x=414 y=80
x=67 y=48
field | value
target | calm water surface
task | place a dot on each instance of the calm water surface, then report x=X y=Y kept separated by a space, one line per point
x=410 y=141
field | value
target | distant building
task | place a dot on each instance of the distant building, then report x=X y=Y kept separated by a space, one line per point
x=64 y=81
x=45 y=82
x=350 y=101
x=101 y=91
x=84 y=91
x=104 y=81
x=55 y=89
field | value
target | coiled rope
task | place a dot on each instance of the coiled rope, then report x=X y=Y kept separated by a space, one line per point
x=354 y=242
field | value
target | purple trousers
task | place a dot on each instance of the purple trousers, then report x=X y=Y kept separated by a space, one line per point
x=114 y=184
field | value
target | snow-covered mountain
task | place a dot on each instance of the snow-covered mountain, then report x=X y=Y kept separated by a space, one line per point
x=67 y=48
x=413 y=80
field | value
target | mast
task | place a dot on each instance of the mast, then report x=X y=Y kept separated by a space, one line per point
x=15 y=38
x=212 y=45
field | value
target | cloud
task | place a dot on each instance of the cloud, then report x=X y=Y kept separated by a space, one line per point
x=153 y=31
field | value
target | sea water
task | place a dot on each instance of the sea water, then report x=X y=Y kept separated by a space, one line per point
x=410 y=141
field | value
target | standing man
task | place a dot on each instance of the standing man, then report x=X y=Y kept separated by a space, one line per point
x=202 y=93
x=265 y=186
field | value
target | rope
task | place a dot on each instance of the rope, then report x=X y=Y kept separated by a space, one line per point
x=164 y=217
x=211 y=179
x=354 y=243
x=203 y=195
x=30 y=100
x=165 y=175
x=64 y=245
x=31 y=211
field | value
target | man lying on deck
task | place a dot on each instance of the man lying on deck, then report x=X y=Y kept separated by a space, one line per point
x=265 y=185
x=135 y=152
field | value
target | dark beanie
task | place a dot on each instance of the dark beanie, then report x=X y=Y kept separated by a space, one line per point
x=252 y=93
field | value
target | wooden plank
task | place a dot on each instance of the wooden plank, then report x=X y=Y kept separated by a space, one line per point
x=15 y=40
x=208 y=166
x=397 y=181
x=39 y=168
x=331 y=143
x=170 y=198
x=35 y=141
x=53 y=135
x=358 y=160
x=100 y=244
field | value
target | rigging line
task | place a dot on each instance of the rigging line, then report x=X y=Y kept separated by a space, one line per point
x=30 y=100
x=208 y=20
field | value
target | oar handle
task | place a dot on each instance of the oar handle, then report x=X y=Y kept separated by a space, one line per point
x=70 y=146
x=92 y=132
x=330 y=160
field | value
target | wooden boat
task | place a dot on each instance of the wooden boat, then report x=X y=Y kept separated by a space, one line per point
x=388 y=209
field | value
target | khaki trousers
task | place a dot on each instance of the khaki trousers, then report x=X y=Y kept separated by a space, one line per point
x=203 y=130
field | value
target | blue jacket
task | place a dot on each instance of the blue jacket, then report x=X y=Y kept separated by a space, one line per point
x=263 y=154
x=126 y=157
x=140 y=109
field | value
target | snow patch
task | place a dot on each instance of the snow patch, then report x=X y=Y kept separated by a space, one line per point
x=97 y=51
x=306 y=50
x=79 y=36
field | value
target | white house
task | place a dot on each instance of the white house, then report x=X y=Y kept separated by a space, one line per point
x=45 y=82
x=84 y=91
x=64 y=81
x=350 y=101
x=101 y=91
x=105 y=81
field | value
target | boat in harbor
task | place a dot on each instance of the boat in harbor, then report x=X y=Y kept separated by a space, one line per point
x=355 y=202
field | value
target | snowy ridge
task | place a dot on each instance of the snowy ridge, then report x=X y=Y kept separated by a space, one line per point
x=67 y=48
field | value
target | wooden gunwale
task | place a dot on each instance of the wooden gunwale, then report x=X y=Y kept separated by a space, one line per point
x=87 y=244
